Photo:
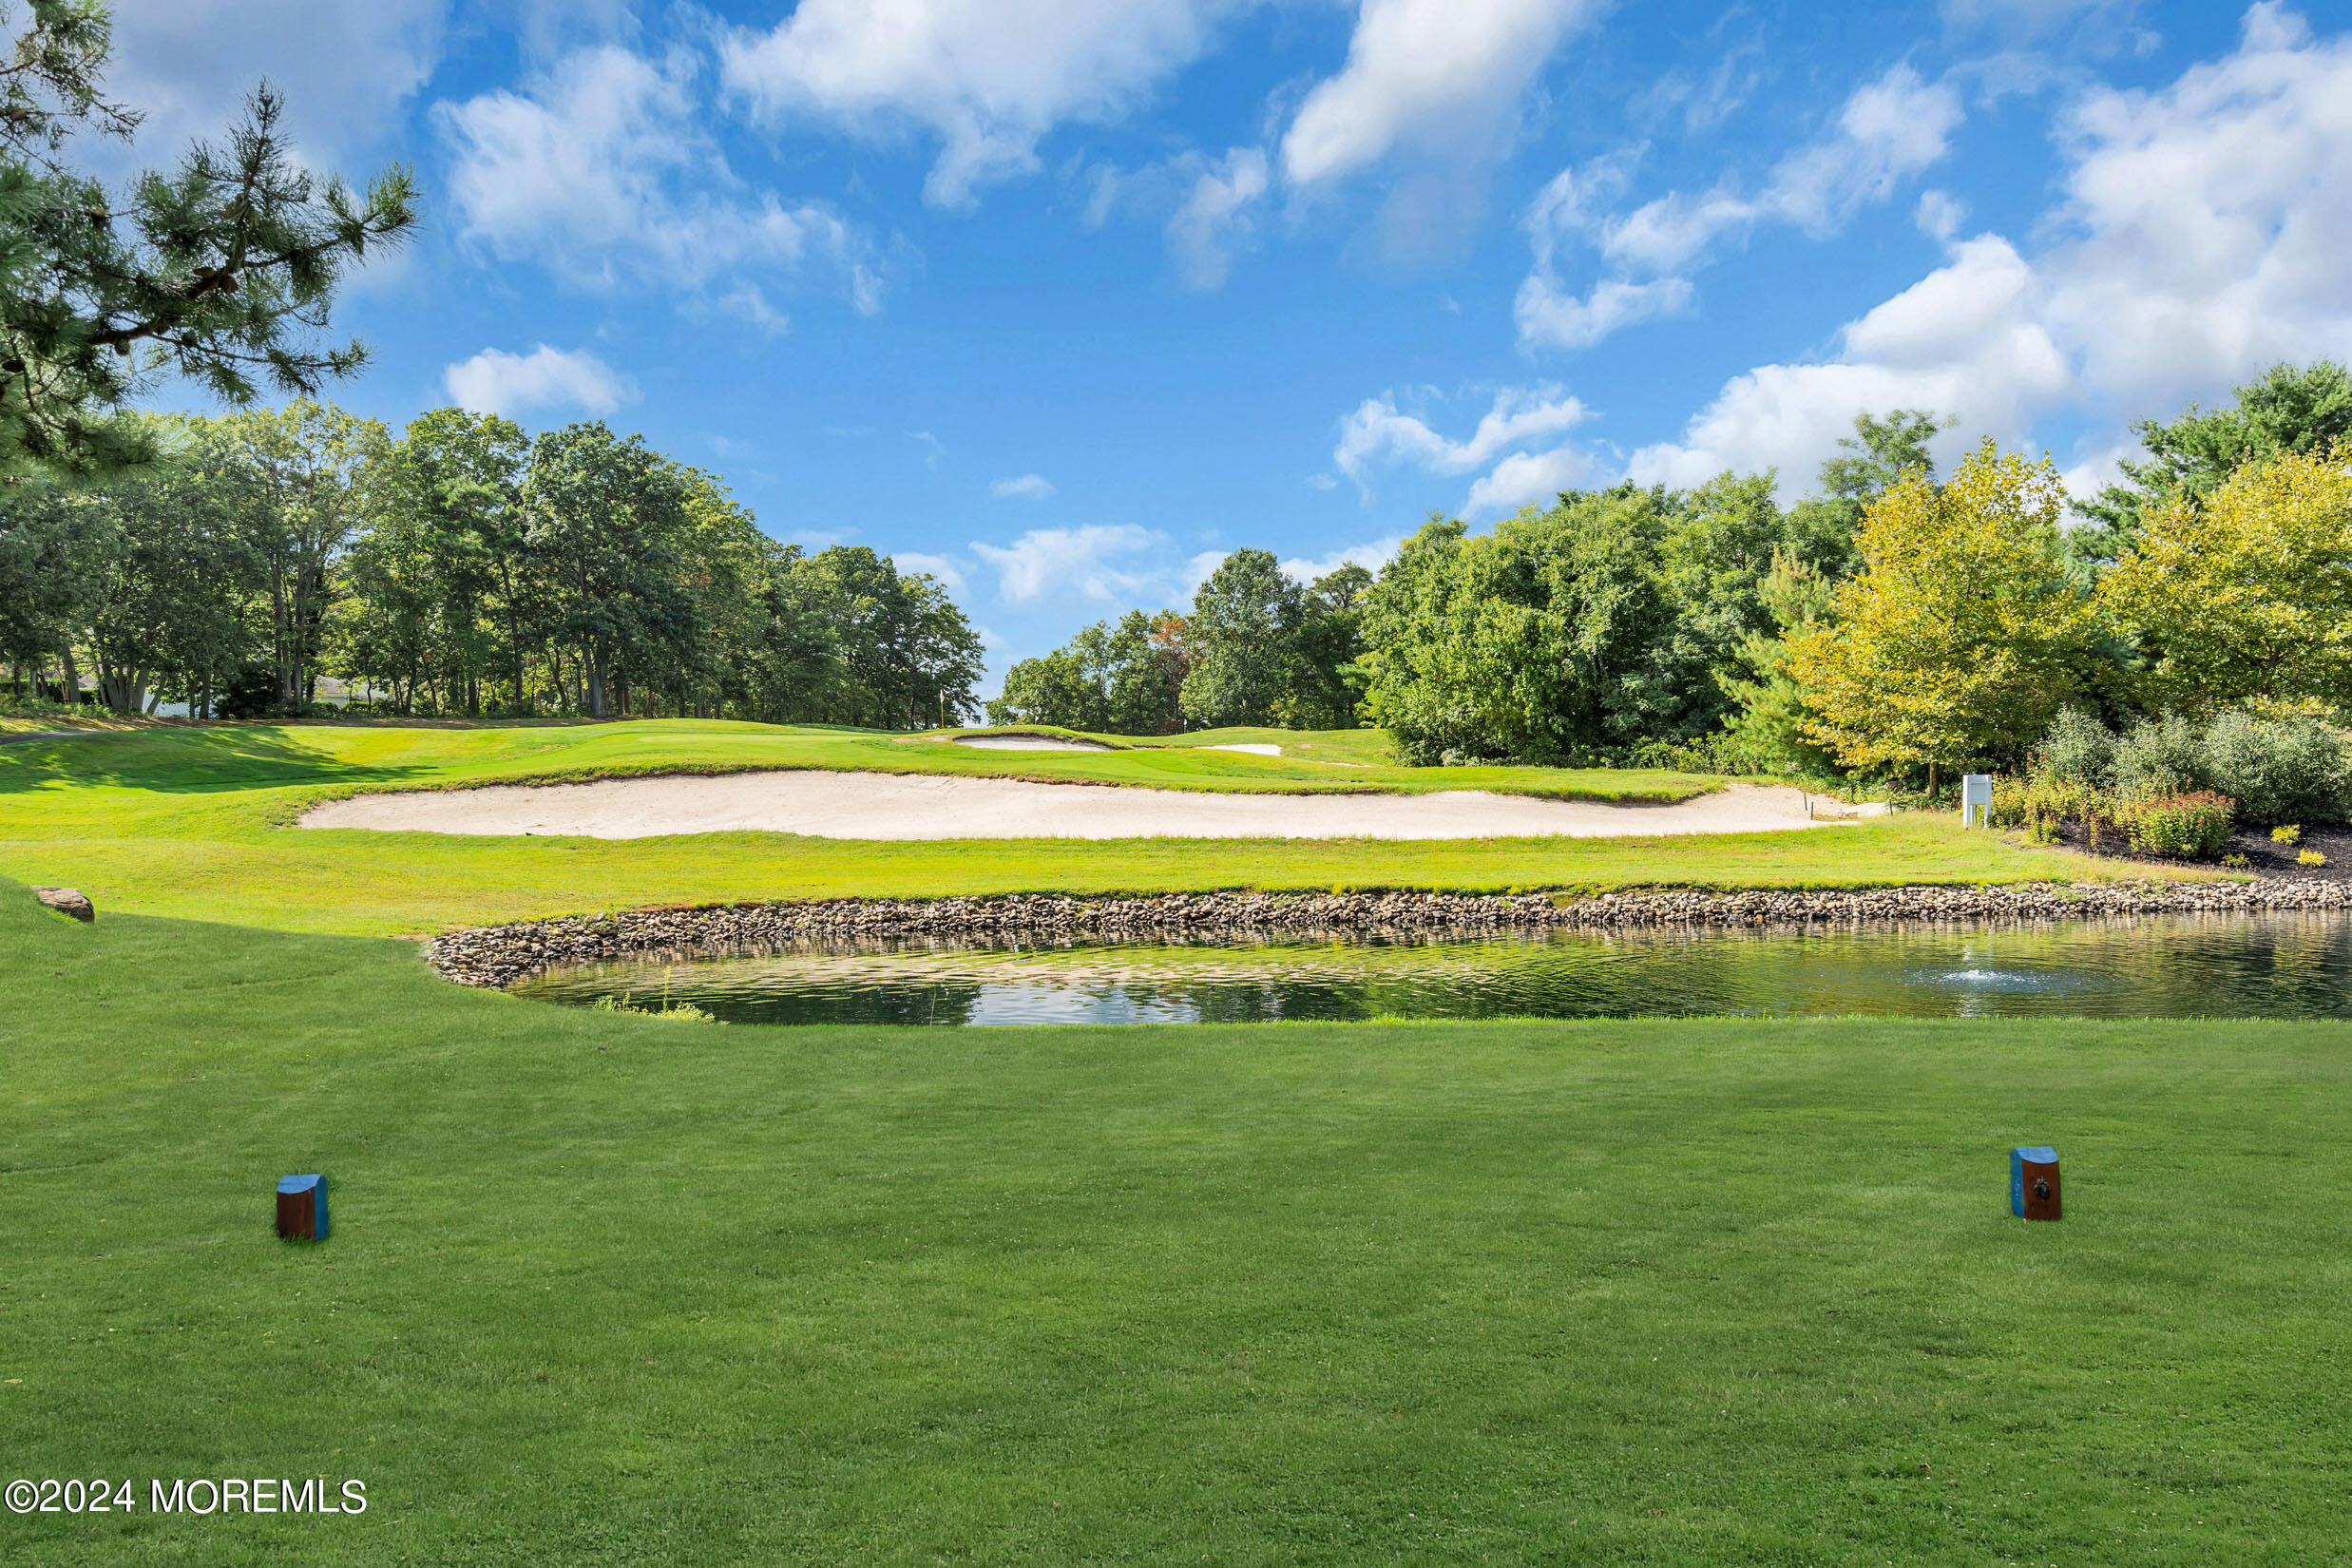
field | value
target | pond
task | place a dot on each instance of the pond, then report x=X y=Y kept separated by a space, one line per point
x=2265 y=966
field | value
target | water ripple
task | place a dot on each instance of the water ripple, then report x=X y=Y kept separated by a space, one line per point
x=2287 y=964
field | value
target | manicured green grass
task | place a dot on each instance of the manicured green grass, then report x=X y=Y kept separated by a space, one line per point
x=193 y=822
x=603 y=1290
x=440 y=755
x=1357 y=748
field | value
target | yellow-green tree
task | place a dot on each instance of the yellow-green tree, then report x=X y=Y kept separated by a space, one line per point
x=2246 y=592
x=1963 y=632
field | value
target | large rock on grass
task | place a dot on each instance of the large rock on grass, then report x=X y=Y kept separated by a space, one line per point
x=68 y=900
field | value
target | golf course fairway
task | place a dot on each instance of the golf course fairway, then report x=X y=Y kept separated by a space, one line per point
x=602 y=1289
x=606 y=1289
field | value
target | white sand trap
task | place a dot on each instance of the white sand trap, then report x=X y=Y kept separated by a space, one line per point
x=1828 y=808
x=1255 y=748
x=910 y=806
x=1026 y=743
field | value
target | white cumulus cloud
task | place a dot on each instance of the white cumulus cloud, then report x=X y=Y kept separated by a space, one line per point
x=1207 y=207
x=1546 y=314
x=598 y=169
x=1214 y=219
x=1380 y=432
x=1438 y=76
x=346 y=70
x=1967 y=339
x=946 y=567
x=988 y=78
x=1108 y=564
x=1887 y=130
x=495 y=381
x=2209 y=221
x=1528 y=479
x=2200 y=240
x=1939 y=214
x=1029 y=487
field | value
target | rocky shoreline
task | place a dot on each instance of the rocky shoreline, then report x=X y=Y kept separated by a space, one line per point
x=499 y=956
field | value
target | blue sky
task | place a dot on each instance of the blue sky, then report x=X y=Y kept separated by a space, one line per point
x=1063 y=298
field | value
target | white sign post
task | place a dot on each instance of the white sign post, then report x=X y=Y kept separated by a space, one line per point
x=1976 y=799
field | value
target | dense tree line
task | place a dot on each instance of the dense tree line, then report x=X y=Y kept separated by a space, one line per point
x=457 y=568
x=1608 y=621
x=1894 y=622
x=1258 y=648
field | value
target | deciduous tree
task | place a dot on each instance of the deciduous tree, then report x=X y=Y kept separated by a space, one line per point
x=1535 y=641
x=167 y=582
x=2246 y=592
x=1243 y=634
x=2288 y=408
x=301 y=482
x=605 y=518
x=1112 y=679
x=1962 y=634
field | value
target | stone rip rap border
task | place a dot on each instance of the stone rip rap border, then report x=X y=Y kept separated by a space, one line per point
x=498 y=956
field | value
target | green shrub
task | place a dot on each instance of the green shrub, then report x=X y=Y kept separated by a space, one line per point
x=2190 y=826
x=250 y=693
x=2279 y=768
x=2077 y=749
x=12 y=706
x=2160 y=758
x=1707 y=754
x=2041 y=797
x=2008 y=805
x=2236 y=862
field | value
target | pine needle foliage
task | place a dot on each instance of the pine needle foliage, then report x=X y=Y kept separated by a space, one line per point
x=223 y=270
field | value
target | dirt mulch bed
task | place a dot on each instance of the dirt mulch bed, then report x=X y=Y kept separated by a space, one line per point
x=2267 y=859
x=2262 y=858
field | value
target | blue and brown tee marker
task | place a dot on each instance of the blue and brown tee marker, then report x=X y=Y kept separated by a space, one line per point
x=303 y=1208
x=2034 y=1182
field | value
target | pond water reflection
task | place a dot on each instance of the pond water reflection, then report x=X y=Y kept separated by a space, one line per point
x=2270 y=966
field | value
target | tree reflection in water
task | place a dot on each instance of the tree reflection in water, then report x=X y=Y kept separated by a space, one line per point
x=2277 y=965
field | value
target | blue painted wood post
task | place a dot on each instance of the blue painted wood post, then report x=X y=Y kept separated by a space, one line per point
x=2034 y=1182
x=303 y=1208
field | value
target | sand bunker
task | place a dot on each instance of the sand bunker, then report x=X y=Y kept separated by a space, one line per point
x=912 y=806
x=1026 y=743
x=1828 y=808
